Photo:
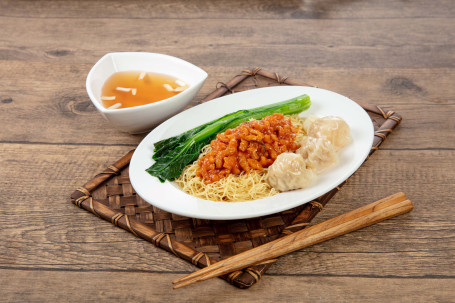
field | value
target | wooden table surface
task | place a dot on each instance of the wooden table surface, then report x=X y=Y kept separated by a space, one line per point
x=396 y=54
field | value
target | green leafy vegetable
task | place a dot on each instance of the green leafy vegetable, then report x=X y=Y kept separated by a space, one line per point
x=173 y=154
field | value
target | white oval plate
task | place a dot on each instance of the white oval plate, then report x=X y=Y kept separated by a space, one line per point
x=169 y=197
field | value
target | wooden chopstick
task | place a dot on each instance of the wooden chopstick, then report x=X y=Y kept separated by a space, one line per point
x=370 y=214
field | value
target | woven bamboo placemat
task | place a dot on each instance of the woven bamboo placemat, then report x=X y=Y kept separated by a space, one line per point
x=110 y=196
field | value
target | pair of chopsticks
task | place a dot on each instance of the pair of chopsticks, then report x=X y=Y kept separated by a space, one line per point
x=367 y=215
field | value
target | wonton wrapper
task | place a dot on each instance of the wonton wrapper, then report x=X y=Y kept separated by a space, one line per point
x=334 y=129
x=318 y=153
x=308 y=122
x=289 y=172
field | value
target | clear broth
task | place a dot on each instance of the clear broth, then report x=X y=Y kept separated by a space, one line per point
x=134 y=88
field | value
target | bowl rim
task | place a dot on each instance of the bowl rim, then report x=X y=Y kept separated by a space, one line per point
x=102 y=109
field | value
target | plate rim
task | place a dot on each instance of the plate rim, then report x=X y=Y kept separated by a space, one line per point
x=235 y=215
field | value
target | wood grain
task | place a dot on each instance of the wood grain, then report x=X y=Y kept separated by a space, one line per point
x=235 y=9
x=96 y=286
x=397 y=54
x=32 y=237
x=35 y=109
x=378 y=42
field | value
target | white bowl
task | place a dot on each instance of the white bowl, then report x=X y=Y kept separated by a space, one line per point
x=143 y=118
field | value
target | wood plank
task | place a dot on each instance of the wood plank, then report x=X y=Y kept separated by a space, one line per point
x=397 y=54
x=235 y=9
x=142 y=287
x=36 y=106
x=332 y=43
x=40 y=228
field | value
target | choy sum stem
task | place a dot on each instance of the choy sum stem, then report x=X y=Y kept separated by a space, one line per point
x=173 y=154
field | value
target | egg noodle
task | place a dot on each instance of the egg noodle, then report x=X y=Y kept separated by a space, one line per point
x=233 y=188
